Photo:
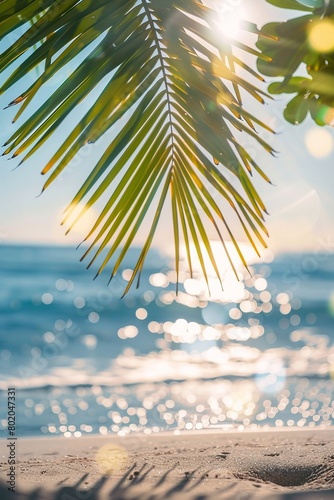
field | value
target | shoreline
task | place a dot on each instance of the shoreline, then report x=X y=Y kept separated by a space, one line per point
x=273 y=464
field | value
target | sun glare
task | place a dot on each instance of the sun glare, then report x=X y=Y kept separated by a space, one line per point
x=233 y=287
x=229 y=21
x=221 y=258
x=84 y=224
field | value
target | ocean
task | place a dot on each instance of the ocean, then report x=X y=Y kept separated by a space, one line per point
x=83 y=360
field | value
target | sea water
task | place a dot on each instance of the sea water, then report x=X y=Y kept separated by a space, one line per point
x=84 y=360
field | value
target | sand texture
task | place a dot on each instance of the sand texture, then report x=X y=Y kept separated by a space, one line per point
x=273 y=465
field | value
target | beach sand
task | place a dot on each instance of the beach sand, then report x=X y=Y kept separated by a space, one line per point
x=269 y=464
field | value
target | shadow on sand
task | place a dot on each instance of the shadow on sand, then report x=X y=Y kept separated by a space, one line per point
x=127 y=489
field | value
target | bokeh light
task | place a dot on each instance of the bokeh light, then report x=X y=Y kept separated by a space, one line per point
x=252 y=345
x=111 y=459
x=321 y=36
x=319 y=142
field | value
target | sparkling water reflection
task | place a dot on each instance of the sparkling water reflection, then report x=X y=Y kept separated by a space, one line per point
x=257 y=353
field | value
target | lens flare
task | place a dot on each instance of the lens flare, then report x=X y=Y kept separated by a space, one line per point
x=319 y=142
x=321 y=36
x=111 y=459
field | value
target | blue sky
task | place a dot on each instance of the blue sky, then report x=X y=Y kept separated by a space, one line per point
x=300 y=203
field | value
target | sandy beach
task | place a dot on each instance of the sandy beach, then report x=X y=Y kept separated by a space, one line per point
x=271 y=464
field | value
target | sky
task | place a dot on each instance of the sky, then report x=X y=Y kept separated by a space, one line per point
x=300 y=202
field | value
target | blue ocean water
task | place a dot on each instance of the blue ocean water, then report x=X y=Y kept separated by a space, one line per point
x=83 y=360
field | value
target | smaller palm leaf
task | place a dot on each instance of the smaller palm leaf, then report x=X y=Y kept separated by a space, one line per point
x=298 y=45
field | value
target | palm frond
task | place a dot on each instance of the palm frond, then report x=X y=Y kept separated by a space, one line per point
x=172 y=102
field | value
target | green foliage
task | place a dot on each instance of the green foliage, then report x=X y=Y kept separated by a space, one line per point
x=302 y=5
x=291 y=53
x=171 y=101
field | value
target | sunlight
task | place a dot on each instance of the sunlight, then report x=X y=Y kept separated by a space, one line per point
x=233 y=288
x=83 y=225
x=222 y=261
x=229 y=20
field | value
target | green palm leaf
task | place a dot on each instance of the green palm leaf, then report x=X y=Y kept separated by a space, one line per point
x=172 y=102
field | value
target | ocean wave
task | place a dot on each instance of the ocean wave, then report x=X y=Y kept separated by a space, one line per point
x=234 y=361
